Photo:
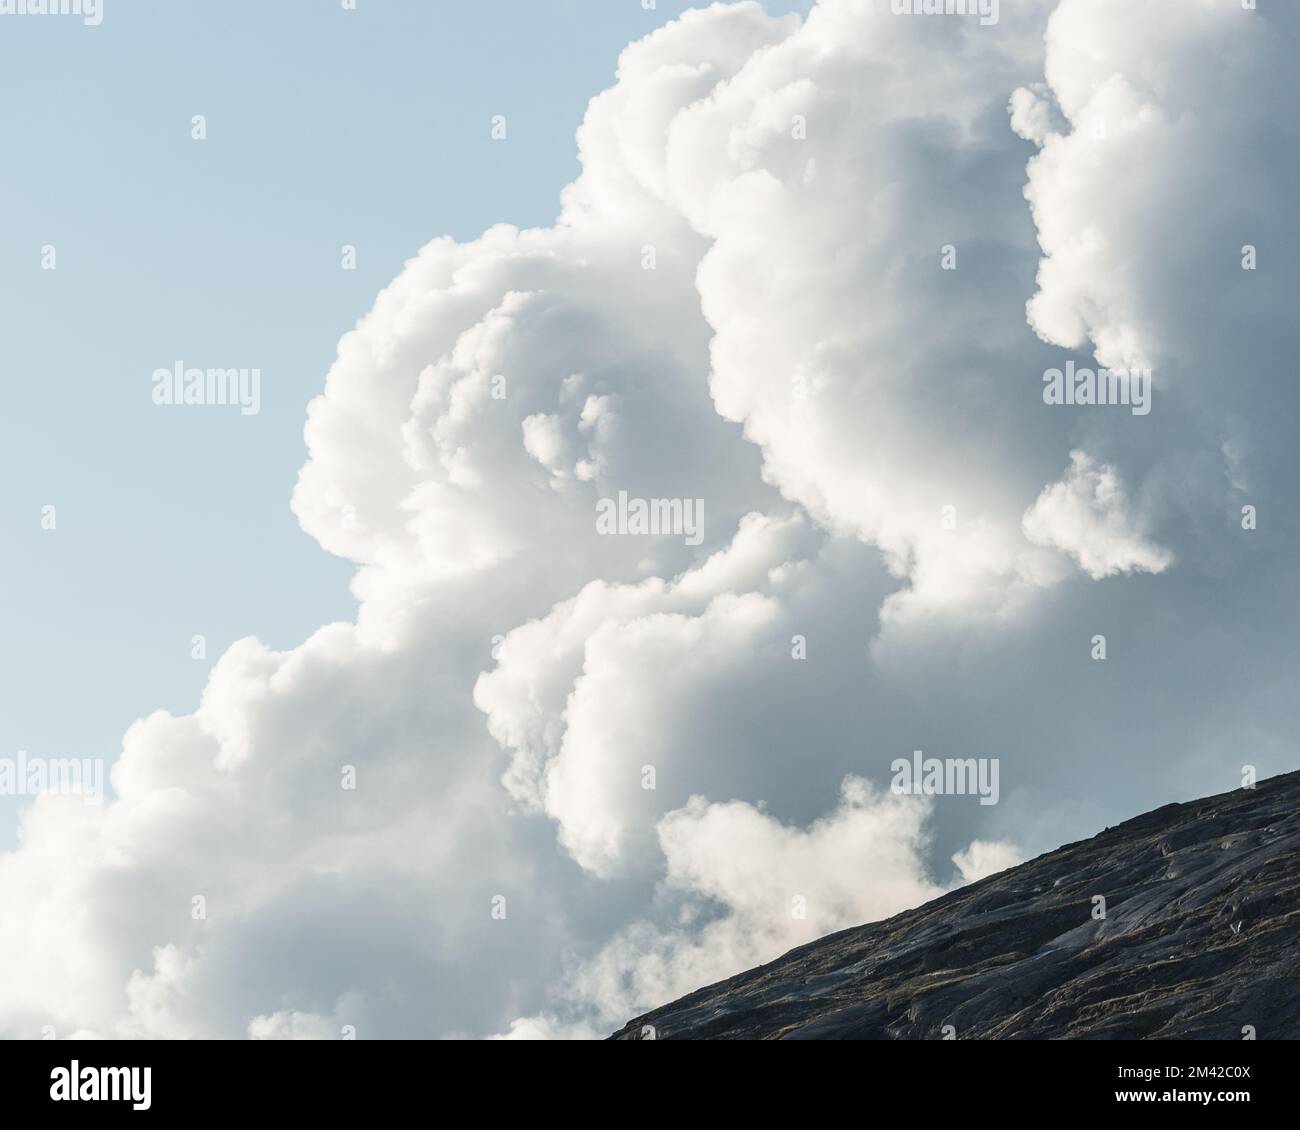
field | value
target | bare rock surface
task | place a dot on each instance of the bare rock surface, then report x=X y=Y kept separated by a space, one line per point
x=1201 y=938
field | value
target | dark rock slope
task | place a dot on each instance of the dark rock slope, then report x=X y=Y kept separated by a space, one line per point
x=1200 y=939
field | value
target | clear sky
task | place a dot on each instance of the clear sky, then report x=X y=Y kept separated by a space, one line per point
x=325 y=127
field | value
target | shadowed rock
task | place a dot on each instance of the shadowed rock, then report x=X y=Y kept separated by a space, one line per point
x=1201 y=937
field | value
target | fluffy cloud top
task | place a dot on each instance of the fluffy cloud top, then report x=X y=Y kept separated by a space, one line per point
x=592 y=772
x=1087 y=514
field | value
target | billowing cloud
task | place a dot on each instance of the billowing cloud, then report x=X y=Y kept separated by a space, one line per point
x=1087 y=514
x=745 y=887
x=596 y=702
x=811 y=275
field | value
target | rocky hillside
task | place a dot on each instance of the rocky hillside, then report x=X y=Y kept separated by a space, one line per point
x=1200 y=939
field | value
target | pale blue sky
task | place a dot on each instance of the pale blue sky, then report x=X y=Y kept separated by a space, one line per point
x=325 y=127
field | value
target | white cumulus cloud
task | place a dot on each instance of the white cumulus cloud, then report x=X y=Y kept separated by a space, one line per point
x=549 y=778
